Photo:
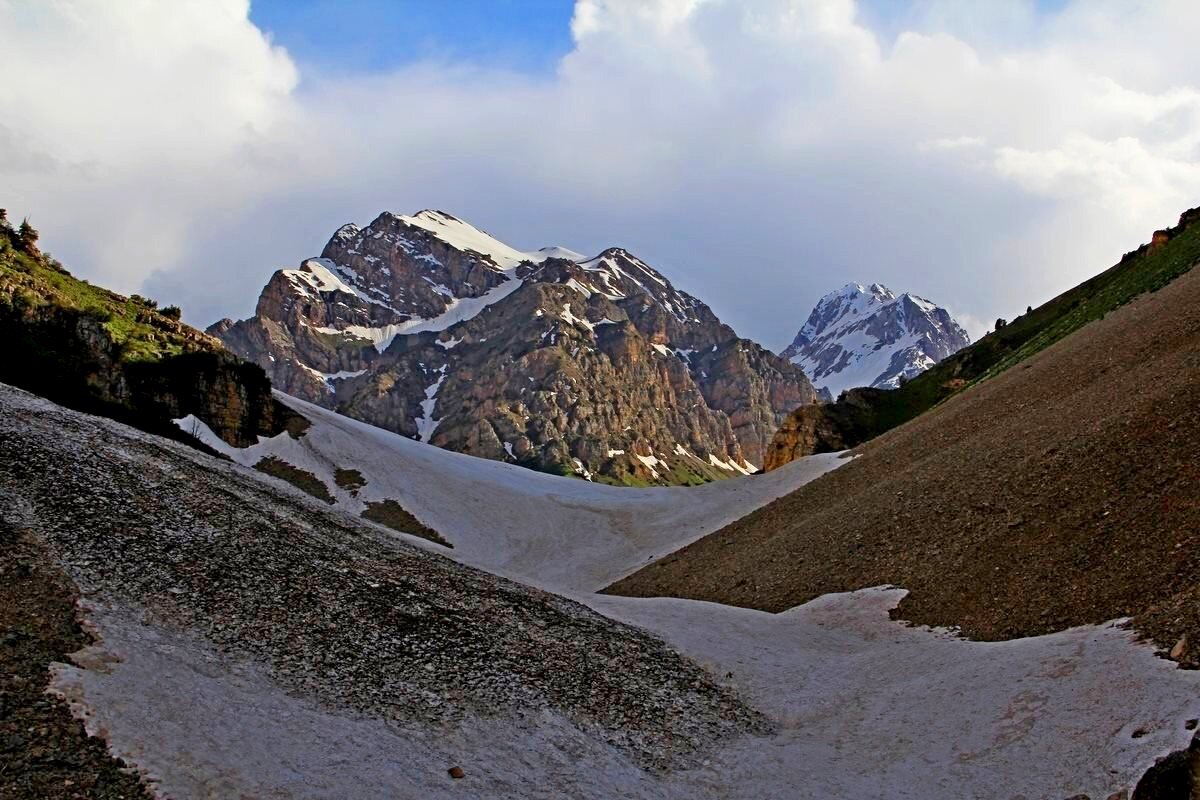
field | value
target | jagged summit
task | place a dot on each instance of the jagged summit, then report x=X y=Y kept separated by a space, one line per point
x=599 y=367
x=868 y=336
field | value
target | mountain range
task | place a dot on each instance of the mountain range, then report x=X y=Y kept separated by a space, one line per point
x=598 y=367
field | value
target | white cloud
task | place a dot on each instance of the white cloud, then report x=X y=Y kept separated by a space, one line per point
x=761 y=153
x=135 y=121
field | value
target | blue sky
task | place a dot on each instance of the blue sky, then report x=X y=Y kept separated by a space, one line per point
x=374 y=35
x=344 y=36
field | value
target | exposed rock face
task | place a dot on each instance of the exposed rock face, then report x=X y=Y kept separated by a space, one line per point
x=825 y=428
x=599 y=367
x=73 y=356
x=868 y=336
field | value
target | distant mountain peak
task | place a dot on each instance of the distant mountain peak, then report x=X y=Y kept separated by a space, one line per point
x=870 y=336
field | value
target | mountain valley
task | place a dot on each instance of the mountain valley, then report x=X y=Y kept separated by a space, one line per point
x=435 y=624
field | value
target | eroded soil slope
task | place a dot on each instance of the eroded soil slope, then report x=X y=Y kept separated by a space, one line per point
x=1064 y=491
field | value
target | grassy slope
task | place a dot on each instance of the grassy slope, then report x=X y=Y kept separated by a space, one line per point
x=141 y=331
x=1143 y=270
x=100 y=352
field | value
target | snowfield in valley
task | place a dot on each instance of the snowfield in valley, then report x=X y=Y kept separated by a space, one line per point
x=829 y=699
x=559 y=534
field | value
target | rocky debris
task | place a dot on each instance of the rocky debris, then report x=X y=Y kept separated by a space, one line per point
x=599 y=368
x=1175 y=776
x=45 y=754
x=302 y=479
x=395 y=516
x=1089 y=448
x=349 y=479
x=868 y=336
x=331 y=608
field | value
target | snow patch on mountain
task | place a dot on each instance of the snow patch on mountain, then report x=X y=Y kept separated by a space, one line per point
x=460 y=309
x=869 y=336
x=465 y=236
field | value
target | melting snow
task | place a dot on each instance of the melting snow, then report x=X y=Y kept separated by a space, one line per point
x=458 y=310
x=465 y=236
x=426 y=424
x=579 y=287
x=732 y=465
x=580 y=469
x=570 y=317
x=650 y=463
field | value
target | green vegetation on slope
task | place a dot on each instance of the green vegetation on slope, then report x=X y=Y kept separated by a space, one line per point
x=141 y=331
x=862 y=414
x=120 y=357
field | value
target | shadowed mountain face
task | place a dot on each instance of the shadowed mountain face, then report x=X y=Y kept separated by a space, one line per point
x=430 y=327
x=868 y=336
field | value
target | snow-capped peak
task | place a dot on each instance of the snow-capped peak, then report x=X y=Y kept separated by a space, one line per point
x=466 y=237
x=559 y=252
x=868 y=336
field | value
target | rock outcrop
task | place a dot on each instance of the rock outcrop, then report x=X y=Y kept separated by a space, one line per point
x=122 y=357
x=825 y=427
x=598 y=367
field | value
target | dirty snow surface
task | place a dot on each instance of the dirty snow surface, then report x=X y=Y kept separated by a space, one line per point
x=255 y=642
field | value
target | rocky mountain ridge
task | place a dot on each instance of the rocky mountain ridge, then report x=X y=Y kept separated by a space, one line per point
x=870 y=336
x=600 y=367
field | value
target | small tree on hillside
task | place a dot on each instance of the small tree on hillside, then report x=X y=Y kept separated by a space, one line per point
x=27 y=237
x=1000 y=323
x=171 y=312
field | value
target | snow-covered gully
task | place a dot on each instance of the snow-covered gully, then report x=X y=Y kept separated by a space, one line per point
x=257 y=642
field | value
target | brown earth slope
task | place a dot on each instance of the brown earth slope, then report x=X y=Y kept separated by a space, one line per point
x=1064 y=491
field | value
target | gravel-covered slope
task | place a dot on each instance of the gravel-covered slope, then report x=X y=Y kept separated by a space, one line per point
x=197 y=554
x=1064 y=491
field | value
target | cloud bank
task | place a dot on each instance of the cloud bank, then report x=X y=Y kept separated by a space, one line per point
x=761 y=153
